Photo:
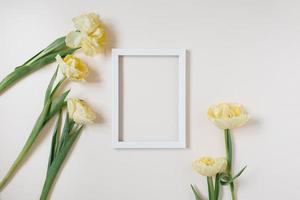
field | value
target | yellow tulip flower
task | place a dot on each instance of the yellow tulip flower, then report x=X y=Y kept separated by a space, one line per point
x=208 y=166
x=72 y=67
x=80 y=111
x=227 y=115
x=89 y=35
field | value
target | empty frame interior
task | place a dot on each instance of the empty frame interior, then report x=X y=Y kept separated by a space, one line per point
x=148 y=100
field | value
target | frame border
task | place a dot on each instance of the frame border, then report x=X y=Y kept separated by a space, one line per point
x=181 y=142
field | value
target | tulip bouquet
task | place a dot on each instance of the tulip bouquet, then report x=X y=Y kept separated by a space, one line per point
x=89 y=36
x=78 y=114
x=53 y=103
x=219 y=170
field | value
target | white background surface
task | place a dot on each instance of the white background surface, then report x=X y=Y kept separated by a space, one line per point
x=240 y=51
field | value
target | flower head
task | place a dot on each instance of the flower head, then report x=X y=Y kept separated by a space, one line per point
x=72 y=67
x=89 y=35
x=227 y=115
x=208 y=166
x=87 y=23
x=80 y=111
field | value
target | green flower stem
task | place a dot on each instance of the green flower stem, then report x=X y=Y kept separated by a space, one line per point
x=55 y=46
x=57 y=163
x=217 y=186
x=32 y=65
x=232 y=190
x=196 y=193
x=211 y=190
x=35 y=132
x=52 y=105
x=228 y=146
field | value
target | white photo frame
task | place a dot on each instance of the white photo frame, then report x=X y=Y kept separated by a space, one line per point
x=181 y=142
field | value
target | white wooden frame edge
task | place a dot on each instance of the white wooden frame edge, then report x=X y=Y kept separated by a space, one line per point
x=181 y=142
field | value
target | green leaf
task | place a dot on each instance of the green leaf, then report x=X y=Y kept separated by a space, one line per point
x=49 y=58
x=50 y=86
x=55 y=139
x=57 y=103
x=24 y=70
x=57 y=86
x=225 y=180
x=57 y=45
x=68 y=126
x=31 y=59
x=57 y=163
x=196 y=193
x=240 y=173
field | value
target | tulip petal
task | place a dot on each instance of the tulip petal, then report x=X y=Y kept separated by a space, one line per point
x=73 y=39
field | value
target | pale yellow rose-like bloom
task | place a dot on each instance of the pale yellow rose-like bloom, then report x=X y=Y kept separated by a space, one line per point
x=87 y=23
x=72 y=67
x=227 y=115
x=94 y=43
x=208 y=166
x=80 y=111
x=89 y=35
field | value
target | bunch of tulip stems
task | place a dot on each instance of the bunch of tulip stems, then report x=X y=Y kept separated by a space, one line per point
x=63 y=139
x=52 y=105
x=38 y=61
x=79 y=114
x=219 y=170
x=60 y=147
x=88 y=36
